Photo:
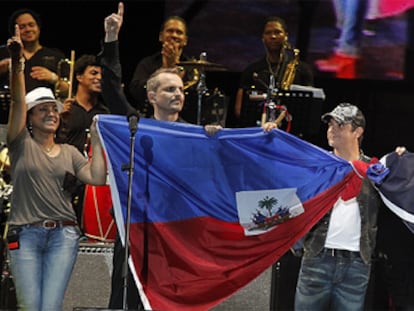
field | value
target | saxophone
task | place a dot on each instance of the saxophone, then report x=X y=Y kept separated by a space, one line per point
x=287 y=73
x=290 y=71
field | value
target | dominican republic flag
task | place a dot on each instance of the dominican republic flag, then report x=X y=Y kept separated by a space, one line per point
x=397 y=188
x=210 y=214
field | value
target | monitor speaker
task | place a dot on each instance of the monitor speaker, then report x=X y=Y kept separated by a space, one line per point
x=90 y=284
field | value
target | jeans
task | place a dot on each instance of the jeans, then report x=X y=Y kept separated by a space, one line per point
x=351 y=16
x=329 y=282
x=42 y=266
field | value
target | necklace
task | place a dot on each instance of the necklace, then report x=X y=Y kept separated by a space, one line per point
x=49 y=149
x=277 y=64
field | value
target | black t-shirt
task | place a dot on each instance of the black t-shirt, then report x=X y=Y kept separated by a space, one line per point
x=45 y=57
x=75 y=124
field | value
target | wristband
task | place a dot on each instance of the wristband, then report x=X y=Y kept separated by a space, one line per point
x=17 y=67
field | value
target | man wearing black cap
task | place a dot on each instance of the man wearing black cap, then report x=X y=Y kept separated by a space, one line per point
x=336 y=263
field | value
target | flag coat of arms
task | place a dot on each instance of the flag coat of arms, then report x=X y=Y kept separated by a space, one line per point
x=210 y=214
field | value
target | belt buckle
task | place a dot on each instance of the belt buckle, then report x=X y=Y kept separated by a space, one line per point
x=50 y=224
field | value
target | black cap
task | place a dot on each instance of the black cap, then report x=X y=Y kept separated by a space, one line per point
x=346 y=113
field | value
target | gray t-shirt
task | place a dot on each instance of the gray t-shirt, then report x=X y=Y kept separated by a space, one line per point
x=37 y=181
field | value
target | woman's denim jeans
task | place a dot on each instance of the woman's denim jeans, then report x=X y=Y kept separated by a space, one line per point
x=42 y=266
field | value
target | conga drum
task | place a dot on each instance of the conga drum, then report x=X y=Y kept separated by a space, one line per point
x=98 y=222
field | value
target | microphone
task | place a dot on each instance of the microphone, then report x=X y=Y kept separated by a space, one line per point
x=133 y=117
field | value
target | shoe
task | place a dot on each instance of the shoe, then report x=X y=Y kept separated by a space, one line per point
x=330 y=64
x=344 y=66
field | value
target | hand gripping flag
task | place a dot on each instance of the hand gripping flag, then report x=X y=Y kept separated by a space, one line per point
x=210 y=214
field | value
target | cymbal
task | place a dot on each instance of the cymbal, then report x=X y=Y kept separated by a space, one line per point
x=203 y=64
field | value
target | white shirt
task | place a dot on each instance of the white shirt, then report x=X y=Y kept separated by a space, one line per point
x=344 y=230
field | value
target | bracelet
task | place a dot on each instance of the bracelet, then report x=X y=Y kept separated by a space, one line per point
x=17 y=67
x=54 y=78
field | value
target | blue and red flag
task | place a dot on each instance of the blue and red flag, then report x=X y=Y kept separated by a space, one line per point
x=210 y=214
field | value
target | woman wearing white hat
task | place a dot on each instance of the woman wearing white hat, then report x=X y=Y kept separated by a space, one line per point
x=43 y=236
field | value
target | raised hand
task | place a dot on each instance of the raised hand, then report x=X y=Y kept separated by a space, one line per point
x=15 y=45
x=113 y=24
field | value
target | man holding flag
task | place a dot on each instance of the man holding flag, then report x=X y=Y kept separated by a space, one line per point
x=336 y=263
x=165 y=92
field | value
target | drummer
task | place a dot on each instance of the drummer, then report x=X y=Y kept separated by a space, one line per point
x=173 y=38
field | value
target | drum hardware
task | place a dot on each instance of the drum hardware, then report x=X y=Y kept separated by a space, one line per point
x=218 y=110
x=202 y=65
x=214 y=108
x=201 y=88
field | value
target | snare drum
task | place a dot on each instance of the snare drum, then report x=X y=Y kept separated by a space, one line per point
x=98 y=222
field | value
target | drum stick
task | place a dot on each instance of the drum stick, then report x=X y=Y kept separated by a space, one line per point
x=72 y=65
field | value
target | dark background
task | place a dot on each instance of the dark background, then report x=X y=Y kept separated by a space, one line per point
x=78 y=25
x=311 y=27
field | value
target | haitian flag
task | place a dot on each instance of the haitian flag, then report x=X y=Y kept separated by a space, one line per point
x=211 y=213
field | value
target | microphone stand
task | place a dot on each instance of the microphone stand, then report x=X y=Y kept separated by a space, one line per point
x=269 y=105
x=133 y=120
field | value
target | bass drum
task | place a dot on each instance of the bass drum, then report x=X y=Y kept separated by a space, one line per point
x=98 y=222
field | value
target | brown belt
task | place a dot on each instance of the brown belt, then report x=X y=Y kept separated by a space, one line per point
x=51 y=224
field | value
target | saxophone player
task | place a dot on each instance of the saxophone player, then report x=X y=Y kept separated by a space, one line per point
x=278 y=68
x=272 y=71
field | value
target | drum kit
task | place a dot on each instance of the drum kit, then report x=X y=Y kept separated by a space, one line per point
x=203 y=66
